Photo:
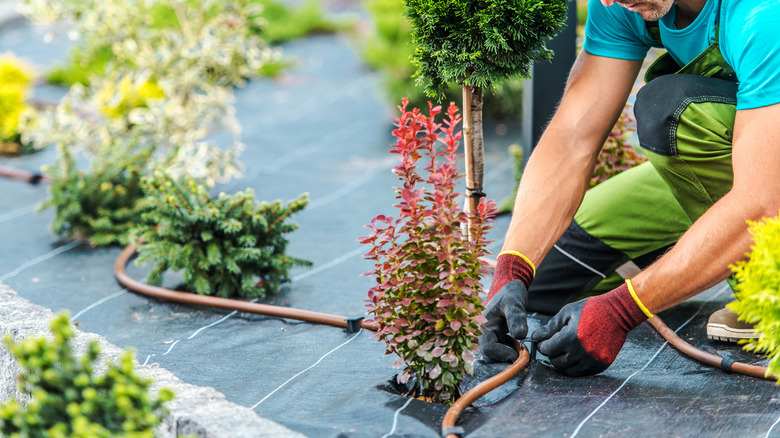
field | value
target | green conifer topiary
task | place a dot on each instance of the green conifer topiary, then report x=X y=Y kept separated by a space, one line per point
x=233 y=246
x=98 y=205
x=758 y=290
x=479 y=44
x=69 y=401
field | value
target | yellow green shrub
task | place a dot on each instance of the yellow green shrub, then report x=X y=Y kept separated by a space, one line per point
x=758 y=290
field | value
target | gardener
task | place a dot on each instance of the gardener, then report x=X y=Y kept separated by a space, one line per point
x=711 y=131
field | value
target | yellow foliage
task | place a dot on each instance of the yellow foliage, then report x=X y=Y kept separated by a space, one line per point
x=124 y=95
x=15 y=80
x=13 y=72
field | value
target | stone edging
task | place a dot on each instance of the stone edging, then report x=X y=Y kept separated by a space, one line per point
x=198 y=411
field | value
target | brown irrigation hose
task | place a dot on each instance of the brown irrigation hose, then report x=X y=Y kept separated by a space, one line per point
x=22 y=175
x=223 y=303
x=483 y=388
x=708 y=358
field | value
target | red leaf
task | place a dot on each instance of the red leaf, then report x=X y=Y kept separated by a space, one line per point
x=444 y=303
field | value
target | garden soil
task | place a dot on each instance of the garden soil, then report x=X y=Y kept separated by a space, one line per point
x=323 y=128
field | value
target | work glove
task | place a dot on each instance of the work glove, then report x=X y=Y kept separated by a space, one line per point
x=585 y=337
x=505 y=307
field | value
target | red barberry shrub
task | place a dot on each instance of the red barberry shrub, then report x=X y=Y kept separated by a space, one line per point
x=426 y=299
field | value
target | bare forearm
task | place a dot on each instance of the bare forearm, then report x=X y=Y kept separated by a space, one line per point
x=701 y=258
x=558 y=171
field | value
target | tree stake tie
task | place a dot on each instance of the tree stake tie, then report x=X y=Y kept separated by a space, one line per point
x=474 y=193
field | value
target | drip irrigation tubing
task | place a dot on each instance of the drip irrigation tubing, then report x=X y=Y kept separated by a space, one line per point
x=725 y=364
x=448 y=428
x=224 y=303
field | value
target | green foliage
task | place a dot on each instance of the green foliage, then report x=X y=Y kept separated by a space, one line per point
x=15 y=79
x=758 y=290
x=283 y=23
x=68 y=400
x=617 y=154
x=223 y=246
x=98 y=205
x=516 y=154
x=81 y=66
x=480 y=43
x=426 y=299
x=389 y=49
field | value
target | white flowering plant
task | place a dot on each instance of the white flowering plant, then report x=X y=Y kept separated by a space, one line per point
x=166 y=94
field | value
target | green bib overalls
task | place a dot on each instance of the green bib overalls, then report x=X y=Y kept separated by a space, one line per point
x=685 y=121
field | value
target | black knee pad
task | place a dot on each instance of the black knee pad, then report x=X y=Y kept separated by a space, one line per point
x=661 y=103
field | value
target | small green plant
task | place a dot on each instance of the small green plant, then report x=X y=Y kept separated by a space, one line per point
x=426 y=298
x=617 y=154
x=231 y=246
x=15 y=80
x=98 y=205
x=758 y=290
x=68 y=399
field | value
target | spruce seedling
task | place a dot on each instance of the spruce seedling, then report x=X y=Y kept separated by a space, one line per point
x=232 y=246
x=98 y=205
x=426 y=299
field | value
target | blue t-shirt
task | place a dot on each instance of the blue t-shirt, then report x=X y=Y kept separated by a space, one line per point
x=746 y=41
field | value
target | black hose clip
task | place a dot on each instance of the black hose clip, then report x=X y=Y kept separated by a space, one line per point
x=532 y=348
x=353 y=325
x=474 y=193
x=454 y=430
x=726 y=363
x=35 y=178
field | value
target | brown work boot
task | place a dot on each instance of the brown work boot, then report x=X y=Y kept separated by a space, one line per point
x=723 y=325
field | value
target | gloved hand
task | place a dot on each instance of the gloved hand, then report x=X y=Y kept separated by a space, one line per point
x=585 y=337
x=505 y=311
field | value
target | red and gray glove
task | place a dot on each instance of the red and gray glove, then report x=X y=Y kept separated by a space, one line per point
x=585 y=337
x=505 y=307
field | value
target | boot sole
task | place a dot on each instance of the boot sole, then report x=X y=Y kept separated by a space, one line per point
x=721 y=332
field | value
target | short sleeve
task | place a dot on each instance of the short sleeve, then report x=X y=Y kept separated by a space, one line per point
x=749 y=44
x=615 y=32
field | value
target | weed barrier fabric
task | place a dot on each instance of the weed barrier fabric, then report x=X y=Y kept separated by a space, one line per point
x=323 y=128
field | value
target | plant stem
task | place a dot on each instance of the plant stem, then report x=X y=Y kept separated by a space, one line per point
x=474 y=148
